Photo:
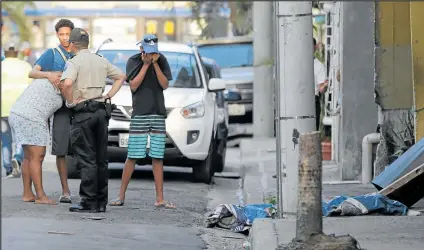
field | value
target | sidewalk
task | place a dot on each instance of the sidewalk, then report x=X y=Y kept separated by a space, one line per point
x=258 y=158
x=372 y=232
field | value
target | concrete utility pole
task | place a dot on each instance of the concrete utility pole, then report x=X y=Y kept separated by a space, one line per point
x=263 y=122
x=295 y=109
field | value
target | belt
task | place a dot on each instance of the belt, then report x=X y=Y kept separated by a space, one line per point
x=88 y=106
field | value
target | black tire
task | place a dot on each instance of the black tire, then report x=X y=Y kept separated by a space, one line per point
x=219 y=159
x=204 y=172
x=72 y=166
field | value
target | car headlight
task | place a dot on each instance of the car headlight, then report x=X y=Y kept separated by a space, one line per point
x=221 y=115
x=195 y=110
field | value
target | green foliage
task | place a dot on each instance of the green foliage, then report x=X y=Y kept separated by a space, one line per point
x=241 y=16
x=15 y=11
x=271 y=200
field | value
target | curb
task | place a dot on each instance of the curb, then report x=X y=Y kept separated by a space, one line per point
x=263 y=235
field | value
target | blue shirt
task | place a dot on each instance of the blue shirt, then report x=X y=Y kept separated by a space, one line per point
x=50 y=61
x=2 y=54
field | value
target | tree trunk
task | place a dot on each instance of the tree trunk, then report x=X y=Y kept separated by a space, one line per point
x=309 y=211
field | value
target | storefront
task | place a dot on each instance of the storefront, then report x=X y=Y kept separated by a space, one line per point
x=120 y=24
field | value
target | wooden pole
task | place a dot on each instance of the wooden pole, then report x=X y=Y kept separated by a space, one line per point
x=309 y=234
x=309 y=204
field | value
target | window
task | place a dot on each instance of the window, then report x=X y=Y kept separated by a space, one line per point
x=169 y=28
x=229 y=55
x=169 y=31
x=185 y=73
x=210 y=70
x=151 y=27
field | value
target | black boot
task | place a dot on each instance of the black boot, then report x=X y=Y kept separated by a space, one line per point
x=83 y=208
x=102 y=209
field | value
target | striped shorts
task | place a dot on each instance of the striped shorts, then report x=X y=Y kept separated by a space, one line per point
x=142 y=127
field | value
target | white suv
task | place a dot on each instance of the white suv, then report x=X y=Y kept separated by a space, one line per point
x=192 y=112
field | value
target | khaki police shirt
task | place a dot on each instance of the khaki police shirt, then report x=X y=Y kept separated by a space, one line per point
x=88 y=73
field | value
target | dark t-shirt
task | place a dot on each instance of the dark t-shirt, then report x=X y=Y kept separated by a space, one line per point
x=148 y=98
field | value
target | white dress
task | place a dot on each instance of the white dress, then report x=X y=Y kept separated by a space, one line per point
x=30 y=113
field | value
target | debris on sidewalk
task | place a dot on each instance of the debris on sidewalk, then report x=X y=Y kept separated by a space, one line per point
x=238 y=218
x=362 y=205
x=246 y=245
x=403 y=180
x=93 y=217
x=408 y=189
x=58 y=232
x=407 y=162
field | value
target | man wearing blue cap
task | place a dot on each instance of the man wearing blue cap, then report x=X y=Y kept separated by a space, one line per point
x=148 y=73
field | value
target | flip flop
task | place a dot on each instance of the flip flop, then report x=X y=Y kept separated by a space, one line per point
x=48 y=202
x=116 y=203
x=165 y=204
x=65 y=199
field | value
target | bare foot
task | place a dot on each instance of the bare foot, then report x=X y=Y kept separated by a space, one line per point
x=29 y=198
x=44 y=200
x=164 y=204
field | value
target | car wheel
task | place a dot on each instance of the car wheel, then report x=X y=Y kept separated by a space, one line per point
x=219 y=159
x=72 y=166
x=204 y=172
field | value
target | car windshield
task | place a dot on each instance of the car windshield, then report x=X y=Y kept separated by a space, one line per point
x=229 y=55
x=185 y=73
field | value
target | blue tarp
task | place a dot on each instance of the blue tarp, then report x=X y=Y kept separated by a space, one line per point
x=407 y=162
x=240 y=218
x=362 y=205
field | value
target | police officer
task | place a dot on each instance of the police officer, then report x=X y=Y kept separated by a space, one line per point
x=83 y=82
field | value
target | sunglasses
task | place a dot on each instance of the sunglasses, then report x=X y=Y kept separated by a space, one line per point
x=148 y=40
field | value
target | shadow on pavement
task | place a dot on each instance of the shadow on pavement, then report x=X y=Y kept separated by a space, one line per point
x=145 y=173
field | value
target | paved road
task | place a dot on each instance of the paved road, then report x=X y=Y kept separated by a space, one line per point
x=137 y=225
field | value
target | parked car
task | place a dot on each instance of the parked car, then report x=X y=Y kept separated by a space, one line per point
x=222 y=97
x=235 y=57
x=192 y=111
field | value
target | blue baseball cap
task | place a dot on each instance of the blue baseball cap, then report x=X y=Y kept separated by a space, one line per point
x=149 y=43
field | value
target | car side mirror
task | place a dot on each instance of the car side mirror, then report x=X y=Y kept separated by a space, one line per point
x=232 y=96
x=216 y=84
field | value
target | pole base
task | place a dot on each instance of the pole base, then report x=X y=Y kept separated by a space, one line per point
x=323 y=242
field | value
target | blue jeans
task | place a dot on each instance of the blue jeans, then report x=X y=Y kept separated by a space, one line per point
x=6 y=146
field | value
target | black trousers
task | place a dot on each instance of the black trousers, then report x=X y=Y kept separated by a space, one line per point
x=89 y=137
x=318 y=110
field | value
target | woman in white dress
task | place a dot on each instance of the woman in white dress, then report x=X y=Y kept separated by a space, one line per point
x=29 y=123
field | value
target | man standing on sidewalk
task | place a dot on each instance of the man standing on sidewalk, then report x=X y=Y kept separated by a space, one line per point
x=148 y=73
x=50 y=65
x=320 y=83
x=14 y=80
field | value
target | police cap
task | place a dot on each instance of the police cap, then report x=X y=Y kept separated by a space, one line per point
x=78 y=35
